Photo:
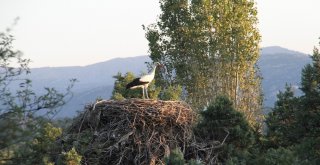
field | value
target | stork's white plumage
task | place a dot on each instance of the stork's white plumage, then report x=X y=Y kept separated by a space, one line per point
x=144 y=81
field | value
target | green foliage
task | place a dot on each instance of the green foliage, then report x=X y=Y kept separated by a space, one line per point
x=117 y=96
x=295 y=118
x=23 y=113
x=194 y=162
x=282 y=121
x=41 y=148
x=38 y=150
x=304 y=153
x=210 y=48
x=62 y=123
x=221 y=122
x=221 y=119
x=82 y=144
x=294 y=122
x=309 y=115
x=278 y=156
x=175 y=158
x=72 y=157
x=171 y=93
x=120 y=92
x=308 y=151
x=310 y=77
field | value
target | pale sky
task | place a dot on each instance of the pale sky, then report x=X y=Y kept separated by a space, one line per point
x=82 y=32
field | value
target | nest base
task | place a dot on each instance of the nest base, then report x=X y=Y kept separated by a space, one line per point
x=135 y=131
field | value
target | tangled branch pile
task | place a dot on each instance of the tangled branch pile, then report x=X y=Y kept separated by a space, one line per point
x=135 y=131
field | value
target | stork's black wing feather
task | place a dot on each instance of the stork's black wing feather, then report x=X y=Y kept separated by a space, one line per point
x=135 y=82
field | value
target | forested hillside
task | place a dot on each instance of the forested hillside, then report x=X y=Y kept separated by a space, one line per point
x=280 y=66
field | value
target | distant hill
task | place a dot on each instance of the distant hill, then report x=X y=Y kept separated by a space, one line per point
x=94 y=81
x=278 y=67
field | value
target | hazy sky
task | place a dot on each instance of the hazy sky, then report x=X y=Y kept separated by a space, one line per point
x=82 y=32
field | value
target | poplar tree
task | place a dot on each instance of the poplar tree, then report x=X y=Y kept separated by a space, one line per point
x=210 y=47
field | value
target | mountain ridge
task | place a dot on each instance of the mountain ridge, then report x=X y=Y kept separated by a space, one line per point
x=279 y=49
x=278 y=66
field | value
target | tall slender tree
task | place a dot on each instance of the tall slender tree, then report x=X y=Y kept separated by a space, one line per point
x=210 y=47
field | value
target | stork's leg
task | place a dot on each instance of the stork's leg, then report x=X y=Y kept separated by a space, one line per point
x=142 y=93
x=147 y=93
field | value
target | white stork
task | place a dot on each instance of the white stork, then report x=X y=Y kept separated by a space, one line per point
x=144 y=81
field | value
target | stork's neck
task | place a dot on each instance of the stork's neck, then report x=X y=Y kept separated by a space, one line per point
x=153 y=71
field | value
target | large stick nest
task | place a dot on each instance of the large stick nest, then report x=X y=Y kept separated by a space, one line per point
x=135 y=131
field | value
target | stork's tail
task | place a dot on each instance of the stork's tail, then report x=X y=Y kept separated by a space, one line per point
x=133 y=83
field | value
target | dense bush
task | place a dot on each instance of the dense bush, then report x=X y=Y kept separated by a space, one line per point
x=221 y=122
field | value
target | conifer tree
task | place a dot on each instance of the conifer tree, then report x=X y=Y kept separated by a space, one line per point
x=309 y=115
x=294 y=122
x=221 y=122
x=282 y=121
